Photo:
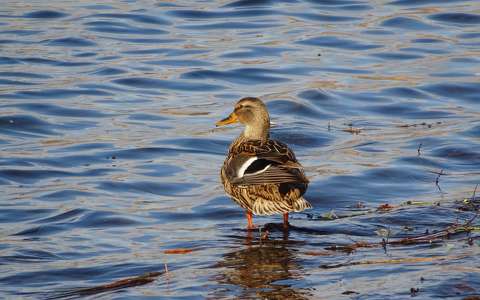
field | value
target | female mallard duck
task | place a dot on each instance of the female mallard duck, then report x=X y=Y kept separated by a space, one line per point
x=261 y=175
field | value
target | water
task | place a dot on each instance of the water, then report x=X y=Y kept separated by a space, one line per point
x=109 y=155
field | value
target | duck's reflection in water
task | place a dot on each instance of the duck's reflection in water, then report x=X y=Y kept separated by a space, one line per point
x=262 y=269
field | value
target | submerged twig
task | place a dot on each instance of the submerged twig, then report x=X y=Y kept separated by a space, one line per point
x=477 y=211
x=394 y=261
x=438 y=177
x=383 y=208
x=116 y=285
x=429 y=125
x=427 y=238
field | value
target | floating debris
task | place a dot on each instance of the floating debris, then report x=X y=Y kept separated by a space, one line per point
x=178 y=251
x=353 y=130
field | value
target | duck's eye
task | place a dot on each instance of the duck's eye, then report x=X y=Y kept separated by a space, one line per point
x=242 y=107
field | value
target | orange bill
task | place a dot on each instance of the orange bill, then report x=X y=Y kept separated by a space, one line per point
x=232 y=118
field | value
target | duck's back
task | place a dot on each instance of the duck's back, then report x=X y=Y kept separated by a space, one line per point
x=264 y=177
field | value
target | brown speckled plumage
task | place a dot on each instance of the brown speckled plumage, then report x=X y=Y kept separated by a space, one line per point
x=261 y=175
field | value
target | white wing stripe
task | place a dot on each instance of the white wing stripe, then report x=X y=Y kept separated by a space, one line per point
x=246 y=164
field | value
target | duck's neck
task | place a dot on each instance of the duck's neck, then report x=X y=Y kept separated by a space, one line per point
x=257 y=132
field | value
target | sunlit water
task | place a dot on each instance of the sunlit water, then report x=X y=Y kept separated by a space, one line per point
x=109 y=155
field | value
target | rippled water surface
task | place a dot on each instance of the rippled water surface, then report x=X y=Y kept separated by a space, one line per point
x=109 y=155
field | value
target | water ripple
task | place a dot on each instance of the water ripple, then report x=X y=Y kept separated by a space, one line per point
x=467 y=91
x=396 y=56
x=295 y=108
x=179 y=63
x=228 y=25
x=108 y=71
x=25 y=124
x=323 y=17
x=203 y=145
x=199 y=15
x=77 y=219
x=239 y=76
x=55 y=110
x=407 y=23
x=150 y=83
x=166 y=51
x=45 y=14
x=408 y=111
x=340 y=43
x=121 y=28
x=253 y=3
x=56 y=94
x=71 y=42
x=11 y=215
x=149 y=187
x=457 y=18
x=63 y=216
x=406 y=92
x=256 y=51
x=42 y=61
x=459 y=152
x=33 y=176
x=25 y=75
x=65 y=195
x=140 y=18
x=421 y=2
x=15 y=82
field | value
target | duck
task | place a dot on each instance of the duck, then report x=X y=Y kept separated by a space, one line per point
x=261 y=174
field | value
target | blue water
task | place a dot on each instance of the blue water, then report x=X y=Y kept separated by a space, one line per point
x=109 y=153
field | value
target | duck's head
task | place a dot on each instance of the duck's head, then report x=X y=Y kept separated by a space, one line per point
x=252 y=113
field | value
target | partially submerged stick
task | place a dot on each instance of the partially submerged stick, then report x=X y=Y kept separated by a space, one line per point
x=113 y=286
x=395 y=261
x=428 y=238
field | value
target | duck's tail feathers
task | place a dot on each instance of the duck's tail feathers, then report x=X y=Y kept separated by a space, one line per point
x=263 y=206
x=301 y=204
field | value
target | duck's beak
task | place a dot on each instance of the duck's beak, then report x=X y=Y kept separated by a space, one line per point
x=232 y=118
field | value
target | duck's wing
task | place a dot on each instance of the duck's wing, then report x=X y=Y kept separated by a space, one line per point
x=254 y=163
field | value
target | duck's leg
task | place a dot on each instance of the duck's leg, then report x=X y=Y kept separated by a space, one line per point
x=285 y=221
x=250 y=220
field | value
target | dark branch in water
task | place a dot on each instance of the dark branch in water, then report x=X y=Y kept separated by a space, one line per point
x=426 y=238
x=472 y=202
x=116 y=285
x=438 y=177
x=394 y=261
x=425 y=124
